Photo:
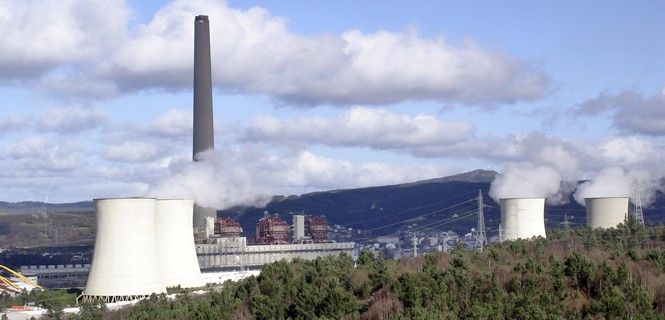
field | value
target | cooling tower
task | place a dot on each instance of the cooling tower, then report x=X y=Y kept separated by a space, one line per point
x=176 y=253
x=522 y=218
x=605 y=212
x=124 y=265
x=204 y=137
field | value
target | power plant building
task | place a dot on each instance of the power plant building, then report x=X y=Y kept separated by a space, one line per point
x=607 y=212
x=522 y=218
x=227 y=250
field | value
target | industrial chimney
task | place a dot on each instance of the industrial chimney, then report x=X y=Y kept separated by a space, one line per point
x=204 y=137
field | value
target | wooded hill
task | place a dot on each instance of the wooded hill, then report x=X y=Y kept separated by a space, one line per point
x=574 y=274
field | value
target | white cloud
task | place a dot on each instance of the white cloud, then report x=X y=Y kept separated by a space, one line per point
x=132 y=151
x=375 y=128
x=173 y=123
x=72 y=119
x=12 y=123
x=38 y=36
x=41 y=154
x=254 y=52
x=626 y=150
x=631 y=112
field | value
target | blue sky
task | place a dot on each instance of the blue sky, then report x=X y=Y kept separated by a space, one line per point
x=312 y=95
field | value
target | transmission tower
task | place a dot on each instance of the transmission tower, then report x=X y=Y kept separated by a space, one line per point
x=637 y=211
x=566 y=223
x=481 y=237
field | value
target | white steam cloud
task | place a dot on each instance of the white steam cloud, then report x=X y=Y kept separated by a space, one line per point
x=618 y=182
x=526 y=180
x=548 y=174
x=217 y=181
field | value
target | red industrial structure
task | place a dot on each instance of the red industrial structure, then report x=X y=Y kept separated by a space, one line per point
x=316 y=227
x=228 y=228
x=271 y=229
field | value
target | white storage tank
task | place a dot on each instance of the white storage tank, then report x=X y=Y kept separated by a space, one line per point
x=124 y=265
x=522 y=218
x=606 y=212
x=176 y=252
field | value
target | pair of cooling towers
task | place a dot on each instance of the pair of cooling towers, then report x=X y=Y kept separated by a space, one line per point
x=524 y=218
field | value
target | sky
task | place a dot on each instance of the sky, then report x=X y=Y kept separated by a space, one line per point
x=96 y=99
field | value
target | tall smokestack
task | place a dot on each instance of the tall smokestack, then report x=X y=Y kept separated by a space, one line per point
x=204 y=137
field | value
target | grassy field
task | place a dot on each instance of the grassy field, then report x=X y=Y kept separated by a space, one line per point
x=43 y=230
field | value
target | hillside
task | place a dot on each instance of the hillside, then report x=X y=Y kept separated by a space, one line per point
x=364 y=208
x=372 y=207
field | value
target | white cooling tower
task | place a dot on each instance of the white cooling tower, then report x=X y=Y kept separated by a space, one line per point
x=176 y=252
x=124 y=265
x=522 y=218
x=606 y=212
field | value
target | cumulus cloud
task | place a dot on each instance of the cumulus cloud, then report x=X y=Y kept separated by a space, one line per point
x=39 y=36
x=12 y=123
x=360 y=126
x=42 y=154
x=173 y=123
x=631 y=112
x=132 y=151
x=72 y=119
x=255 y=52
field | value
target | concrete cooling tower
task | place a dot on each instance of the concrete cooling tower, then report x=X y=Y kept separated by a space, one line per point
x=176 y=252
x=124 y=265
x=522 y=218
x=606 y=212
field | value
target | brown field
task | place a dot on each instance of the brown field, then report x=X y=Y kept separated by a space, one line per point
x=50 y=229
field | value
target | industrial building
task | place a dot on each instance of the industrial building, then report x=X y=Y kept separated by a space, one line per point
x=522 y=218
x=227 y=254
x=275 y=240
x=59 y=276
x=607 y=212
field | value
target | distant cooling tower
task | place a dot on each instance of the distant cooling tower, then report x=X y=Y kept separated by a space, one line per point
x=176 y=252
x=204 y=134
x=606 y=212
x=522 y=218
x=124 y=265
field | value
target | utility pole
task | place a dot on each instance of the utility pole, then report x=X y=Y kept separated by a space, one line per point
x=637 y=212
x=481 y=236
x=415 y=245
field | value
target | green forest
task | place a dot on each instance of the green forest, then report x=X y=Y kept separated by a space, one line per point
x=574 y=274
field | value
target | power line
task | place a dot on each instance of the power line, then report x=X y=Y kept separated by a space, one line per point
x=419 y=216
x=409 y=210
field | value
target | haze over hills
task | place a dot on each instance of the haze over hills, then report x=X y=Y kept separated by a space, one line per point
x=421 y=202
